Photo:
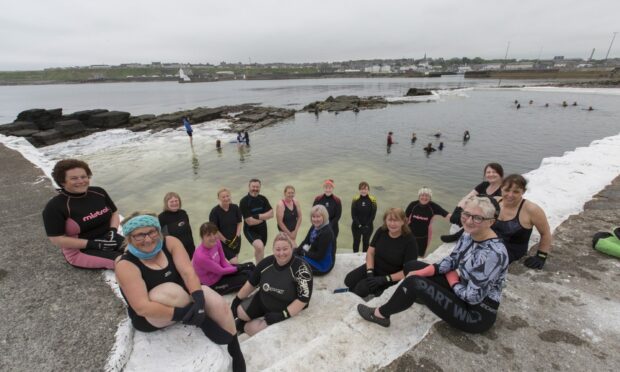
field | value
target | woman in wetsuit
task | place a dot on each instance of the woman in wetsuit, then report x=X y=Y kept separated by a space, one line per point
x=464 y=289
x=212 y=267
x=82 y=220
x=420 y=214
x=318 y=249
x=175 y=221
x=516 y=221
x=391 y=246
x=363 y=212
x=284 y=283
x=156 y=279
x=227 y=217
x=493 y=175
x=288 y=214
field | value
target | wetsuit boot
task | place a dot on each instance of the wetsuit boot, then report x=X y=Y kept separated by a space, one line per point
x=451 y=237
x=238 y=361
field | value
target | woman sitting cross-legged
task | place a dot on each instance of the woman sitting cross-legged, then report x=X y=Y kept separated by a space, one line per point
x=464 y=289
x=213 y=268
x=156 y=278
x=284 y=283
x=318 y=249
x=391 y=246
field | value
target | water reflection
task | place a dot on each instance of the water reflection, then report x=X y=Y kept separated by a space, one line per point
x=195 y=163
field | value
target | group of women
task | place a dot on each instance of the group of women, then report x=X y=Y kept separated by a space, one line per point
x=165 y=278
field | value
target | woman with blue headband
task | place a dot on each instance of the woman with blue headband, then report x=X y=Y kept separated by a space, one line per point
x=156 y=279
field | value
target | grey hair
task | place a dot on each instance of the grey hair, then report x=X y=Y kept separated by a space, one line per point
x=483 y=202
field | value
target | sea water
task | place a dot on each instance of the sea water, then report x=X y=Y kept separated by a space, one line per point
x=137 y=169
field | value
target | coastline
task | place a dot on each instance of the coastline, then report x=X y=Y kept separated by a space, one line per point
x=521 y=306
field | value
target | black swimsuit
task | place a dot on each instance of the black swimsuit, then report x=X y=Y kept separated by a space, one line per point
x=515 y=236
x=289 y=218
x=152 y=278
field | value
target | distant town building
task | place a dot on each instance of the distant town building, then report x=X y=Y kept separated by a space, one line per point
x=99 y=66
x=519 y=66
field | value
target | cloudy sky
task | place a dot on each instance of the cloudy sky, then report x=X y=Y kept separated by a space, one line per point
x=42 y=33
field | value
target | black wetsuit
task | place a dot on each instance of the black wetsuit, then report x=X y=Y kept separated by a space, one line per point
x=152 y=278
x=334 y=207
x=84 y=216
x=177 y=224
x=253 y=206
x=289 y=218
x=471 y=304
x=390 y=256
x=226 y=222
x=363 y=212
x=516 y=237
x=420 y=216
x=321 y=256
x=481 y=189
x=278 y=286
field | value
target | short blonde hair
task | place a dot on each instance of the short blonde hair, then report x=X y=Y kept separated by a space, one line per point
x=399 y=214
x=169 y=196
x=222 y=190
x=320 y=209
x=489 y=208
x=284 y=238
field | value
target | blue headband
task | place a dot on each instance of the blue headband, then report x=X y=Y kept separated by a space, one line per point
x=140 y=221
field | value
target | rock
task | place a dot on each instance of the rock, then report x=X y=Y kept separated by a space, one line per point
x=202 y=114
x=70 y=127
x=44 y=119
x=418 y=92
x=111 y=119
x=84 y=115
x=139 y=119
x=252 y=118
x=24 y=132
x=10 y=128
x=48 y=137
x=346 y=103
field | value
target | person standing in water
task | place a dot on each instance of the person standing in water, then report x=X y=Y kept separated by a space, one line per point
x=413 y=138
x=188 y=129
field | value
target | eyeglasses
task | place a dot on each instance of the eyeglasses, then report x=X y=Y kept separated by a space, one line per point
x=153 y=234
x=474 y=217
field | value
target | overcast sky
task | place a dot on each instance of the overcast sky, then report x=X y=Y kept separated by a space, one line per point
x=46 y=33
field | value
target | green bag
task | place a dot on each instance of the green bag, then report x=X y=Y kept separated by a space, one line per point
x=608 y=243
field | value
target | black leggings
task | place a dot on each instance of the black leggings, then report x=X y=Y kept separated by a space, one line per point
x=231 y=283
x=363 y=235
x=422 y=242
x=356 y=281
x=436 y=294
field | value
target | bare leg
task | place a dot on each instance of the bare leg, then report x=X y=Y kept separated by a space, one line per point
x=218 y=310
x=234 y=260
x=259 y=250
x=253 y=326
x=169 y=294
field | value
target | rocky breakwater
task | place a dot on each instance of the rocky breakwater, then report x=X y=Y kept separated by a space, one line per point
x=355 y=103
x=43 y=127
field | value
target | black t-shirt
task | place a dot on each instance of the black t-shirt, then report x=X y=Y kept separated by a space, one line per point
x=85 y=216
x=420 y=216
x=250 y=206
x=226 y=221
x=281 y=285
x=481 y=189
x=177 y=224
x=392 y=253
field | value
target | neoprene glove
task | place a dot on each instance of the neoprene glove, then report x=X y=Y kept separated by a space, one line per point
x=196 y=314
x=102 y=245
x=276 y=317
x=113 y=234
x=537 y=261
x=234 y=305
x=376 y=282
x=370 y=273
x=180 y=312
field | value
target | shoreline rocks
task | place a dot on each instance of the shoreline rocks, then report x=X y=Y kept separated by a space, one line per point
x=43 y=127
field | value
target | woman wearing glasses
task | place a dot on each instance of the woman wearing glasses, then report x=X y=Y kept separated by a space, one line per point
x=82 y=220
x=516 y=221
x=464 y=288
x=156 y=279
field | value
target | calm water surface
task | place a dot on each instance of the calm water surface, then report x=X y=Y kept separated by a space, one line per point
x=306 y=149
